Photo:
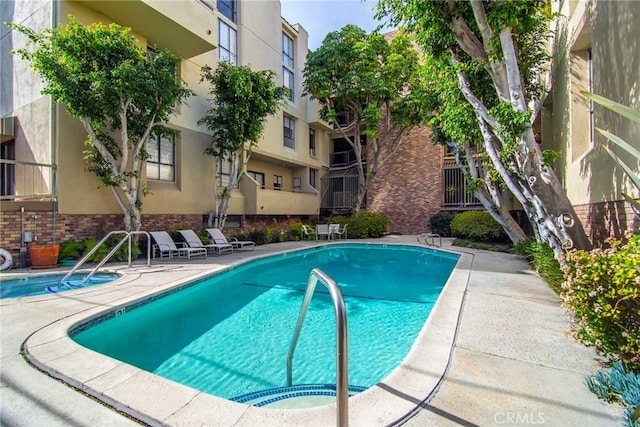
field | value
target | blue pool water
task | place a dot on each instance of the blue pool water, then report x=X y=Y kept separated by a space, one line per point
x=229 y=334
x=37 y=285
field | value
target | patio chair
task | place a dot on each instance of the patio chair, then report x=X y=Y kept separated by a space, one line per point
x=322 y=230
x=193 y=240
x=166 y=245
x=217 y=236
x=337 y=231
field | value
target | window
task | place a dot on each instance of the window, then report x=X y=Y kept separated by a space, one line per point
x=228 y=9
x=287 y=50
x=289 y=132
x=224 y=172
x=288 y=80
x=277 y=182
x=227 y=43
x=312 y=142
x=297 y=184
x=258 y=177
x=312 y=177
x=161 y=162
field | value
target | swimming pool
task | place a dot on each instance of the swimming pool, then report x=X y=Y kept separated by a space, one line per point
x=25 y=286
x=229 y=334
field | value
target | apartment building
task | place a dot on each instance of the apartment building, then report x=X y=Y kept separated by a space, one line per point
x=46 y=193
x=596 y=49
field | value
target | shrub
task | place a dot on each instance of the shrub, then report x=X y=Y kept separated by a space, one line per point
x=478 y=226
x=120 y=255
x=440 y=223
x=71 y=249
x=543 y=260
x=618 y=385
x=363 y=225
x=602 y=290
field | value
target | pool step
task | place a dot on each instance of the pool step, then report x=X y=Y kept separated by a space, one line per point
x=297 y=396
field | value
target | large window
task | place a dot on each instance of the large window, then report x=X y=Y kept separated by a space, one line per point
x=288 y=80
x=161 y=163
x=289 y=125
x=227 y=43
x=312 y=142
x=228 y=9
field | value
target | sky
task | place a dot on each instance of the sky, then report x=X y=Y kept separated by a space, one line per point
x=320 y=17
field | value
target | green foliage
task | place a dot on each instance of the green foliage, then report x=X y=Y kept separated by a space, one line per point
x=614 y=140
x=543 y=260
x=110 y=83
x=602 y=290
x=440 y=223
x=478 y=226
x=121 y=255
x=618 y=385
x=242 y=100
x=363 y=225
x=485 y=246
x=71 y=249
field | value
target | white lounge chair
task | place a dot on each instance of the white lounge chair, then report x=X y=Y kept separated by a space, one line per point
x=193 y=240
x=217 y=236
x=166 y=246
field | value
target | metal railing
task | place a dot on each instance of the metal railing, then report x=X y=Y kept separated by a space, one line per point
x=127 y=237
x=342 y=350
x=26 y=180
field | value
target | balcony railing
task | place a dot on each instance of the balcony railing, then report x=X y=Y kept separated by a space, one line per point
x=339 y=192
x=26 y=180
x=346 y=158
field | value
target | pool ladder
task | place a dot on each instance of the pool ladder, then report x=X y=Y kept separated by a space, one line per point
x=342 y=351
x=127 y=237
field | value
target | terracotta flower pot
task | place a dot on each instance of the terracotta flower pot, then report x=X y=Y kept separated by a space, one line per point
x=44 y=256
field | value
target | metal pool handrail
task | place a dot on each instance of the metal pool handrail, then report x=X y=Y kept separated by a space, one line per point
x=342 y=351
x=106 y=258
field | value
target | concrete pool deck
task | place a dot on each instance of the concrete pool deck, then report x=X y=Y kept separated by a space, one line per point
x=496 y=338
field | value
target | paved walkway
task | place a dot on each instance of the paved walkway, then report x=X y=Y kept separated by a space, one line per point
x=511 y=363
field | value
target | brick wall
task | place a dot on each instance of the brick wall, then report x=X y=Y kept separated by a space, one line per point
x=408 y=187
x=602 y=220
x=78 y=227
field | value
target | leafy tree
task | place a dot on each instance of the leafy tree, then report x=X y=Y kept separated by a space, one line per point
x=453 y=123
x=500 y=46
x=363 y=77
x=242 y=101
x=120 y=92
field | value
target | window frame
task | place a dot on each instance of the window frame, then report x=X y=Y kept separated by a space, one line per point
x=232 y=49
x=254 y=175
x=277 y=182
x=158 y=164
x=313 y=177
x=228 y=9
x=292 y=129
x=312 y=142
x=221 y=174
